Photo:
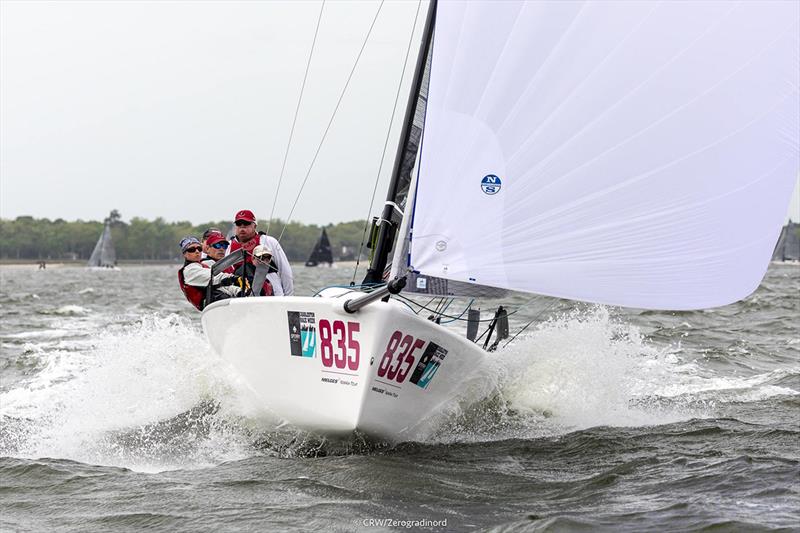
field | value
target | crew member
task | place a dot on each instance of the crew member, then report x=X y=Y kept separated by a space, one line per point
x=204 y=239
x=263 y=257
x=248 y=237
x=215 y=246
x=194 y=276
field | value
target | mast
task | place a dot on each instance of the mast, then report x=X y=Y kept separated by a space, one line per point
x=386 y=227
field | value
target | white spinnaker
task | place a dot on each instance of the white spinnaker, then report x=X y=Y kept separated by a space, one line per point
x=647 y=150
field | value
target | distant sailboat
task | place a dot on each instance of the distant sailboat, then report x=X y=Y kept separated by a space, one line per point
x=788 y=247
x=322 y=251
x=103 y=255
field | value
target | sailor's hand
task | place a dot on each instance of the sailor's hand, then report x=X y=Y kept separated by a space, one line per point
x=243 y=284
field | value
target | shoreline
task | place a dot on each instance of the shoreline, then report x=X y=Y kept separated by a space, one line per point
x=61 y=263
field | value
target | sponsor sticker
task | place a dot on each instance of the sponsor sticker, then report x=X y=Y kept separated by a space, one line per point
x=491 y=184
x=302 y=333
x=428 y=365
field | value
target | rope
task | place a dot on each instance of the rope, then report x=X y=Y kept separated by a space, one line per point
x=467 y=308
x=453 y=318
x=551 y=304
x=330 y=122
x=385 y=144
x=296 y=113
x=354 y=287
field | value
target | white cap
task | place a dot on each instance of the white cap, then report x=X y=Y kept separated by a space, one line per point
x=260 y=250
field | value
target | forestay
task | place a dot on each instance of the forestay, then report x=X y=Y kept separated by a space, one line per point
x=628 y=153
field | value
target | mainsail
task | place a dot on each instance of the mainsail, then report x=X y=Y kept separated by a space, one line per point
x=322 y=251
x=103 y=254
x=404 y=198
x=627 y=153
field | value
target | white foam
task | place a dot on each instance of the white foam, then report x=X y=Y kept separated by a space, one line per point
x=589 y=369
x=577 y=371
x=38 y=334
x=131 y=378
x=71 y=310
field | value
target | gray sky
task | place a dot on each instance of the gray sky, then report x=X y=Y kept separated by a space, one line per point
x=183 y=109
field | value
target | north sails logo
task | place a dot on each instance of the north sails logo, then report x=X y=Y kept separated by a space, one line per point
x=491 y=184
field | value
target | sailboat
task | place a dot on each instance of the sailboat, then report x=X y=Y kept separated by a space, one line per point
x=103 y=256
x=322 y=251
x=788 y=247
x=630 y=154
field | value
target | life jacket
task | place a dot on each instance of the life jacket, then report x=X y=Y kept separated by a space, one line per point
x=250 y=273
x=249 y=246
x=195 y=295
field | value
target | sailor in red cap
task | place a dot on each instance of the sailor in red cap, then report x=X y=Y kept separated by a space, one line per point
x=215 y=244
x=195 y=276
x=248 y=237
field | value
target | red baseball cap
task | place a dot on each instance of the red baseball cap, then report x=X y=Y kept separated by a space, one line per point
x=215 y=237
x=245 y=214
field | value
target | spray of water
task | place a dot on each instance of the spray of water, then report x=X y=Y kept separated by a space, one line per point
x=143 y=397
x=586 y=369
x=153 y=396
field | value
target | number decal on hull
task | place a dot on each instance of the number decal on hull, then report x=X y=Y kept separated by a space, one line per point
x=346 y=352
x=398 y=359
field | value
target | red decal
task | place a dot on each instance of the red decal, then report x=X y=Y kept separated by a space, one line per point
x=325 y=347
x=352 y=329
x=348 y=354
x=394 y=340
x=405 y=357
x=401 y=376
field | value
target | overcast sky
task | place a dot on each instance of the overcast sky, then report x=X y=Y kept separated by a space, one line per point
x=183 y=109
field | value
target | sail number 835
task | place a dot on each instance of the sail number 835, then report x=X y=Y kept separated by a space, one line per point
x=338 y=344
x=398 y=359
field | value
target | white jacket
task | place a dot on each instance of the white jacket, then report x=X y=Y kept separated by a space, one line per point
x=196 y=275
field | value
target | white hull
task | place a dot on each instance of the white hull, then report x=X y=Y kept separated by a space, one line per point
x=383 y=371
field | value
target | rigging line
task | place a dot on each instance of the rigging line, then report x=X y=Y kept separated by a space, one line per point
x=386 y=142
x=429 y=303
x=296 y=113
x=509 y=314
x=551 y=304
x=467 y=308
x=401 y=297
x=330 y=122
x=448 y=305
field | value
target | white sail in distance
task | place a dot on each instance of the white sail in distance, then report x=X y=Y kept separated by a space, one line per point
x=640 y=154
x=103 y=254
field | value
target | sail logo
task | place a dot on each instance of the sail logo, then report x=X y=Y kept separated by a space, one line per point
x=490 y=184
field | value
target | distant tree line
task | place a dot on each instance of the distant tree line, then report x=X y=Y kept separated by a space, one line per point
x=155 y=240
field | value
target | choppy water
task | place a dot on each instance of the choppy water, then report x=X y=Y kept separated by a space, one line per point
x=116 y=416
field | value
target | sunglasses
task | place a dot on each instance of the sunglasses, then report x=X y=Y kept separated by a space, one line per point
x=240 y=223
x=220 y=245
x=192 y=250
x=265 y=257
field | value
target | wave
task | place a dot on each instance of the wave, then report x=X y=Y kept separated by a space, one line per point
x=153 y=396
